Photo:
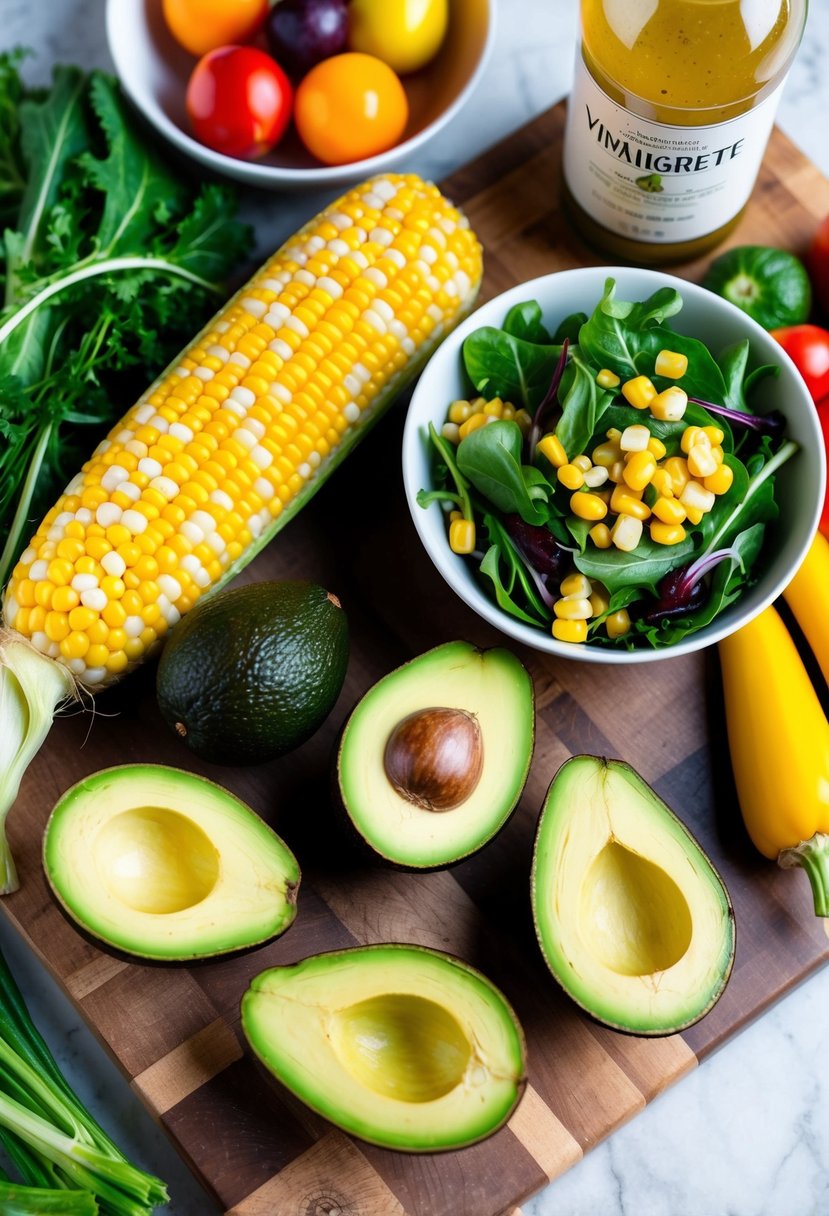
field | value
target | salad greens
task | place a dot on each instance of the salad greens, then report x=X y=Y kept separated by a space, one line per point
x=66 y=1161
x=108 y=263
x=528 y=539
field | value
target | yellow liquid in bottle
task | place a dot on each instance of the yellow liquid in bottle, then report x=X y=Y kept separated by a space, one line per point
x=684 y=64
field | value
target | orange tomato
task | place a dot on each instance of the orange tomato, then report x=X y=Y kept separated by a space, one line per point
x=203 y=25
x=349 y=107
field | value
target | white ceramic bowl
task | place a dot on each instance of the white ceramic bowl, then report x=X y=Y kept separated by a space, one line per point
x=799 y=483
x=154 y=71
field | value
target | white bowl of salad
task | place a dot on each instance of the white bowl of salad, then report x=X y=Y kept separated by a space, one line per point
x=613 y=464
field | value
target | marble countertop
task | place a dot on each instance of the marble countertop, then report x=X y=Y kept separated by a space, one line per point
x=747 y=1133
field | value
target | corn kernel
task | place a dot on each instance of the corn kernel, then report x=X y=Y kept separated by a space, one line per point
x=626 y=501
x=599 y=601
x=616 y=472
x=671 y=364
x=662 y=482
x=494 y=408
x=677 y=469
x=595 y=476
x=720 y=481
x=639 y=392
x=606 y=454
x=569 y=631
x=462 y=536
x=524 y=421
x=65 y=599
x=451 y=432
x=459 y=411
x=582 y=462
x=714 y=435
x=693 y=515
x=626 y=532
x=618 y=623
x=607 y=379
x=692 y=435
x=576 y=584
x=666 y=534
x=634 y=438
x=657 y=447
x=639 y=469
x=472 y=423
x=701 y=461
x=587 y=506
x=697 y=496
x=570 y=476
x=670 y=404
x=669 y=510
x=551 y=447
x=573 y=608
x=600 y=536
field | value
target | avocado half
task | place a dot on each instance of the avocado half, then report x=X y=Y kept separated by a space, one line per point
x=399 y=1045
x=164 y=864
x=632 y=918
x=433 y=759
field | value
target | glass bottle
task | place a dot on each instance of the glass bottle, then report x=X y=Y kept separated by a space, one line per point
x=672 y=106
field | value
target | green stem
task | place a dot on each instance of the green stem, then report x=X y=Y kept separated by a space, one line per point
x=35 y=1201
x=109 y=266
x=449 y=460
x=21 y=515
x=812 y=856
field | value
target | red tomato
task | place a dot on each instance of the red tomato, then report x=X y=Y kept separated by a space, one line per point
x=808 y=346
x=239 y=101
x=823 y=415
x=818 y=263
x=204 y=25
x=350 y=106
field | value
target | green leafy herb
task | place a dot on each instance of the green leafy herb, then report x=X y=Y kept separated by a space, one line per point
x=108 y=266
x=490 y=458
x=499 y=364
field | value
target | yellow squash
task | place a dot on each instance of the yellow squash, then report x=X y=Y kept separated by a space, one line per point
x=779 y=741
x=808 y=597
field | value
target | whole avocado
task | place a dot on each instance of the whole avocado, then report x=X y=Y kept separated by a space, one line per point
x=252 y=672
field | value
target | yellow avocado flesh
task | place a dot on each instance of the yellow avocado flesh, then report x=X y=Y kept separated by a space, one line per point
x=491 y=685
x=164 y=864
x=632 y=918
x=399 y=1045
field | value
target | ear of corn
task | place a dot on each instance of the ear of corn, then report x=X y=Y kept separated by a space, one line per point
x=232 y=440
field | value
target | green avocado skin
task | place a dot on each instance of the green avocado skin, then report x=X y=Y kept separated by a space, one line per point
x=252 y=672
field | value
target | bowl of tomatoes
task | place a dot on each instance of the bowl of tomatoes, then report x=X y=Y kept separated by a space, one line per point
x=298 y=94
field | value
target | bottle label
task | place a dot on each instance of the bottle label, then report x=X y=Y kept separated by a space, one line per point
x=649 y=181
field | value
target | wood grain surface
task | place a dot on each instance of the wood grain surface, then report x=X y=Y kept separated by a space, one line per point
x=175 y=1030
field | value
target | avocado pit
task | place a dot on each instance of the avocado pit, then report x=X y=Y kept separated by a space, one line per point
x=434 y=757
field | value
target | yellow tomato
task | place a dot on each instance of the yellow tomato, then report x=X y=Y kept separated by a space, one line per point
x=203 y=25
x=348 y=107
x=405 y=34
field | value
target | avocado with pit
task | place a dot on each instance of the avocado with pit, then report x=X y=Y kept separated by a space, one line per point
x=252 y=672
x=401 y=1046
x=166 y=865
x=633 y=920
x=433 y=759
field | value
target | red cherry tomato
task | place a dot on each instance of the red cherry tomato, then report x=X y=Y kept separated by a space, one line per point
x=823 y=415
x=204 y=25
x=818 y=264
x=239 y=101
x=808 y=347
x=350 y=106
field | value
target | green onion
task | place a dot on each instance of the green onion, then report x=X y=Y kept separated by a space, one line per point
x=68 y=1162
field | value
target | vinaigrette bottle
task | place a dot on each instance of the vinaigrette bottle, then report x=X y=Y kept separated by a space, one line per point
x=672 y=106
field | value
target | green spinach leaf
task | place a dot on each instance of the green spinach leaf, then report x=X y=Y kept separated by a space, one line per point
x=490 y=458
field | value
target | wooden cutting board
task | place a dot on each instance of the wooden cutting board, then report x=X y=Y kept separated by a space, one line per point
x=175 y=1030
